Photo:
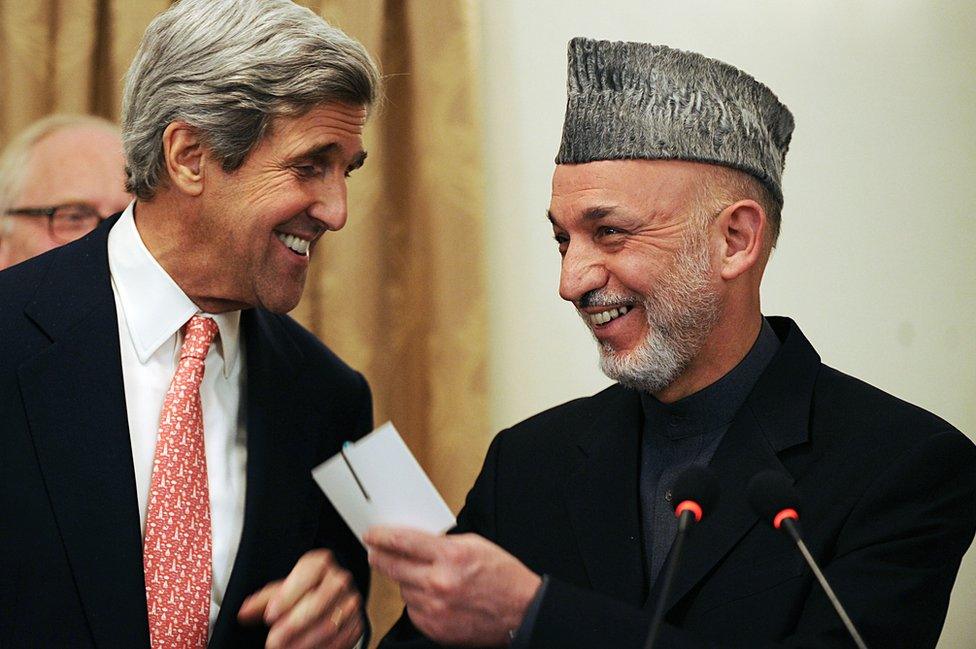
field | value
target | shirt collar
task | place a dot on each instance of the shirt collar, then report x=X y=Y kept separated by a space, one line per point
x=154 y=305
x=713 y=407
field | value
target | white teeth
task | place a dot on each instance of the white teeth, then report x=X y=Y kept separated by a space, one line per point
x=604 y=317
x=296 y=244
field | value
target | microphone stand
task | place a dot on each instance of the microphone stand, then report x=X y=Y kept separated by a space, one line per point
x=793 y=529
x=684 y=522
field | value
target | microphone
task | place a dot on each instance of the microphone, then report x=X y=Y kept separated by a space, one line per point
x=694 y=493
x=773 y=498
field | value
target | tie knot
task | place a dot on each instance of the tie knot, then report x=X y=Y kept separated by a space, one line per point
x=198 y=334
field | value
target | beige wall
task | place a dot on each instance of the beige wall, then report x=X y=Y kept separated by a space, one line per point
x=877 y=258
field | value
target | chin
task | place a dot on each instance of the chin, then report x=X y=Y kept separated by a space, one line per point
x=278 y=293
x=650 y=367
x=282 y=306
x=280 y=302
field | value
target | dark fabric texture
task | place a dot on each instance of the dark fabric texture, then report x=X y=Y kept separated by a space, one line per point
x=687 y=433
x=888 y=495
x=70 y=549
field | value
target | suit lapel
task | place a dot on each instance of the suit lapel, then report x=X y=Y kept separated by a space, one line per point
x=601 y=495
x=74 y=398
x=773 y=419
x=279 y=521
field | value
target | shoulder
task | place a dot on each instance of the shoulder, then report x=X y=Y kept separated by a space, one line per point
x=18 y=284
x=63 y=281
x=322 y=367
x=843 y=402
x=560 y=425
x=862 y=436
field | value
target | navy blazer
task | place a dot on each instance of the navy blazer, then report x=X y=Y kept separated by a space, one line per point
x=71 y=570
x=889 y=507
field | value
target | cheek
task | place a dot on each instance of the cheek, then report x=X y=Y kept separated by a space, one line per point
x=35 y=235
x=277 y=193
x=638 y=271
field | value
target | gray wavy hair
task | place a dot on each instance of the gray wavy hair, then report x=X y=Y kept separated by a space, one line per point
x=228 y=68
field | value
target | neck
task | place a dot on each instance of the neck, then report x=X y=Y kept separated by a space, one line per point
x=161 y=223
x=724 y=347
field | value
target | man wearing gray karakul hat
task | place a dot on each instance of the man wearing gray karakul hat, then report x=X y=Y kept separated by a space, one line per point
x=666 y=205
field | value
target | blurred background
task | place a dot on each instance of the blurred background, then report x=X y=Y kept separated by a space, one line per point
x=442 y=287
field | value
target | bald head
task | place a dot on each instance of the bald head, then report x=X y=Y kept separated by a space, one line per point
x=59 y=160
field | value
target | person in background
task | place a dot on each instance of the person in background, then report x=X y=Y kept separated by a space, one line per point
x=59 y=178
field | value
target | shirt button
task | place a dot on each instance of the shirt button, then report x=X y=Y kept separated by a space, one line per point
x=667 y=496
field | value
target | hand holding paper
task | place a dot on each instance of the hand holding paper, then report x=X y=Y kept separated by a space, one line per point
x=459 y=589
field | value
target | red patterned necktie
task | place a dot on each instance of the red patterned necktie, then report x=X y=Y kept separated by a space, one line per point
x=176 y=549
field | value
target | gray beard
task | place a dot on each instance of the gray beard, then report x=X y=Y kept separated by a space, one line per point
x=680 y=315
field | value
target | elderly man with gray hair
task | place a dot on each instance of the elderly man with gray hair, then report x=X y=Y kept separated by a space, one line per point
x=159 y=414
x=665 y=207
x=59 y=178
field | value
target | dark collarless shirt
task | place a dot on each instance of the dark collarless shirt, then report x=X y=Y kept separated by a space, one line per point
x=686 y=433
x=676 y=436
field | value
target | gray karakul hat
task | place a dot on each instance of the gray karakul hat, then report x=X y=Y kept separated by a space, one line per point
x=643 y=101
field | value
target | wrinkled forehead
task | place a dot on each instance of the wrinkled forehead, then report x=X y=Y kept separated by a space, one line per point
x=637 y=184
x=339 y=115
x=321 y=125
x=76 y=165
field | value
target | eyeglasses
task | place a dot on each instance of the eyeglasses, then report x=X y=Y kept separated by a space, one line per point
x=65 y=222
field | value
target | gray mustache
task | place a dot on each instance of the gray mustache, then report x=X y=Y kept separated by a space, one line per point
x=595 y=298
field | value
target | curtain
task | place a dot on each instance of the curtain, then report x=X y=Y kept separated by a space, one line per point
x=400 y=292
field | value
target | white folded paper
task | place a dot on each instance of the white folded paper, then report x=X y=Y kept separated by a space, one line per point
x=377 y=481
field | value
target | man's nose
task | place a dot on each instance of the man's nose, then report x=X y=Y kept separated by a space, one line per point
x=582 y=271
x=329 y=207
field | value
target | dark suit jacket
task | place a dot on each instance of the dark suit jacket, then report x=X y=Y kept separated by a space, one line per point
x=889 y=507
x=70 y=549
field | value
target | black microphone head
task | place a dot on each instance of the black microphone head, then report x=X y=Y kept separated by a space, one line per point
x=697 y=484
x=770 y=492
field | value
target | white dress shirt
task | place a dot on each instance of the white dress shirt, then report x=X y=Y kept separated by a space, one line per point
x=151 y=310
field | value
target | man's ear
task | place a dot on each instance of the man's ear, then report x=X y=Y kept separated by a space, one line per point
x=183 y=156
x=742 y=227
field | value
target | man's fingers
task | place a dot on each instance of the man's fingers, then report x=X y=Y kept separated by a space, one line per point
x=350 y=625
x=316 y=607
x=340 y=630
x=404 y=541
x=404 y=571
x=339 y=624
x=304 y=577
x=252 y=610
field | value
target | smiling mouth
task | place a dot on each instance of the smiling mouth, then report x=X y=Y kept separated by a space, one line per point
x=603 y=317
x=296 y=244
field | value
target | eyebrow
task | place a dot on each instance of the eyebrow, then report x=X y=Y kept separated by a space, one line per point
x=325 y=151
x=594 y=213
x=358 y=161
